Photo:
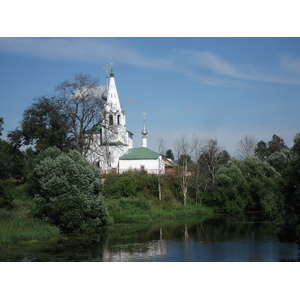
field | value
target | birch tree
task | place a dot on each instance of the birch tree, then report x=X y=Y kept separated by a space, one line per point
x=183 y=151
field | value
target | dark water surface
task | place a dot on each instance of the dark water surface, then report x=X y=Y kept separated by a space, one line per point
x=239 y=238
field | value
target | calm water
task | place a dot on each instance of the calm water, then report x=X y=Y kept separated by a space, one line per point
x=219 y=239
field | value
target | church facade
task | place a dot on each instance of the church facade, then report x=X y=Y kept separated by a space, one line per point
x=112 y=148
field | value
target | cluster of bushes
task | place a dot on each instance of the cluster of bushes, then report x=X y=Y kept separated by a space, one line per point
x=245 y=185
x=137 y=184
x=62 y=193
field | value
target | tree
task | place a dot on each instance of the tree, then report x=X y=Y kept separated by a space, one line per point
x=211 y=158
x=288 y=219
x=246 y=146
x=183 y=151
x=196 y=146
x=280 y=160
x=169 y=154
x=264 y=185
x=232 y=192
x=11 y=161
x=276 y=144
x=1 y=125
x=261 y=150
x=66 y=189
x=161 y=150
x=82 y=103
x=264 y=150
x=44 y=125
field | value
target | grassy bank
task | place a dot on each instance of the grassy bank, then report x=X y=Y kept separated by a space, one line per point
x=15 y=228
x=17 y=225
x=141 y=209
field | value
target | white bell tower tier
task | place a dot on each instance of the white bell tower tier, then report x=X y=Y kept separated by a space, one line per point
x=113 y=102
x=114 y=123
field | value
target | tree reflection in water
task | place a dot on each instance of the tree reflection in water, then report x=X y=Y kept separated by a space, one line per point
x=218 y=238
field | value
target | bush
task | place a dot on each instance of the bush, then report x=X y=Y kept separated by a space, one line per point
x=66 y=190
x=130 y=185
x=6 y=200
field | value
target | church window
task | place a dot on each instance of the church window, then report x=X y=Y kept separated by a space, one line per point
x=111 y=120
x=119 y=119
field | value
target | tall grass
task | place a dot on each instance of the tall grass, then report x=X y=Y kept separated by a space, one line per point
x=141 y=209
x=18 y=225
x=17 y=229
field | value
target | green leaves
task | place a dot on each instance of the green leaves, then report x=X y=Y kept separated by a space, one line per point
x=66 y=189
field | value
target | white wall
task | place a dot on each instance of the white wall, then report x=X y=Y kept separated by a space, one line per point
x=152 y=166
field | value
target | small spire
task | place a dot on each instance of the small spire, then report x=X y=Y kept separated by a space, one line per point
x=111 y=70
x=144 y=132
x=111 y=73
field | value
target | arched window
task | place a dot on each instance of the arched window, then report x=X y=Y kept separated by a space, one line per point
x=119 y=117
x=111 y=120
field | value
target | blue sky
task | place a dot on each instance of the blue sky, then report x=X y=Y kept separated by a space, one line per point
x=220 y=88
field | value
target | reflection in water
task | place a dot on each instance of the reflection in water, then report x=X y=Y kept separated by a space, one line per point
x=235 y=238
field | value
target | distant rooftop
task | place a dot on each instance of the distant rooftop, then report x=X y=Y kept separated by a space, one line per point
x=139 y=153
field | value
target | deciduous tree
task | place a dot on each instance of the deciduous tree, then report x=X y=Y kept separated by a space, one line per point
x=246 y=146
x=183 y=151
x=82 y=103
x=44 y=125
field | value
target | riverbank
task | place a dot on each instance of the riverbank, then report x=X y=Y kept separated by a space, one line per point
x=18 y=225
x=129 y=210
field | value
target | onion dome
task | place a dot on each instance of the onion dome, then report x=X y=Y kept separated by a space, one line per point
x=104 y=95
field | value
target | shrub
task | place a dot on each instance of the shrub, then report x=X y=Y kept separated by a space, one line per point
x=66 y=190
x=130 y=185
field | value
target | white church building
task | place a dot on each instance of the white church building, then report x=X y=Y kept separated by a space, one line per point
x=112 y=149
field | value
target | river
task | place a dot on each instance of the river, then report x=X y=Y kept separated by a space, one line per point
x=241 y=238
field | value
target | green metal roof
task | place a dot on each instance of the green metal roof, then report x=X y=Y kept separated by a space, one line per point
x=95 y=129
x=139 y=153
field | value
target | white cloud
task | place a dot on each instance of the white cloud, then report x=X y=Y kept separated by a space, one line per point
x=203 y=66
x=211 y=69
x=290 y=63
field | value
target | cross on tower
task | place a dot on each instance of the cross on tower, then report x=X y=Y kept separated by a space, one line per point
x=108 y=66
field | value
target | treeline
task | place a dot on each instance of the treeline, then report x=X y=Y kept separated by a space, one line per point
x=266 y=180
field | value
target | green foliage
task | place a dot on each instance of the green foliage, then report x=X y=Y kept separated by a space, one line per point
x=231 y=193
x=1 y=125
x=16 y=229
x=6 y=199
x=280 y=160
x=289 y=217
x=44 y=125
x=11 y=161
x=263 y=150
x=66 y=189
x=130 y=184
x=142 y=209
x=169 y=154
x=264 y=183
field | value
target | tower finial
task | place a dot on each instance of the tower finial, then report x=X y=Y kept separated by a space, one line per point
x=111 y=70
x=106 y=68
x=144 y=132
